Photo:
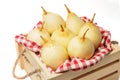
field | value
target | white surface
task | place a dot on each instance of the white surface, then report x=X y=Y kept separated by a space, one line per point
x=19 y=16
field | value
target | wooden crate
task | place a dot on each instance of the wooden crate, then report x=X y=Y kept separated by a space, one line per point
x=107 y=69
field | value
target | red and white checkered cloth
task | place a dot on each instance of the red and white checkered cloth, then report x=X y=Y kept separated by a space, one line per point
x=75 y=63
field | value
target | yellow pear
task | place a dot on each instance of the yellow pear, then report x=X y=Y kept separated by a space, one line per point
x=53 y=54
x=52 y=21
x=81 y=47
x=93 y=34
x=62 y=36
x=73 y=22
x=35 y=34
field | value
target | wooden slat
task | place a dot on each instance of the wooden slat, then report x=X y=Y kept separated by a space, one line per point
x=119 y=67
x=111 y=76
x=99 y=73
x=29 y=68
x=19 y=49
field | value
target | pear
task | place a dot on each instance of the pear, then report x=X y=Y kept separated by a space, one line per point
x=62 y=36
x=93 y=34
x=35 y=34
x=81 y=47
x=73 y=22
x=52 y=21
x=53 y=54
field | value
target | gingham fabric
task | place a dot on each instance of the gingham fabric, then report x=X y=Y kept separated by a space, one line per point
x=21 y=39
x=75 y=63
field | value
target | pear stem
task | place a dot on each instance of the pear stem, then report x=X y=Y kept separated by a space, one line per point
x=62 y=29
x=45 y=12
x=68 y=10
x=93 y=18
x=43 y=38
x=83 y=37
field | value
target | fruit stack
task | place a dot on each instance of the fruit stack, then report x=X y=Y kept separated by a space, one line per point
x=64 y=45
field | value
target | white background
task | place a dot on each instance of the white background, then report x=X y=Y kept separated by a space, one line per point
x=19 y=16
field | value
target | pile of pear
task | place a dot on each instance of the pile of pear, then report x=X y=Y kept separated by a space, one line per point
x=62 y=40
